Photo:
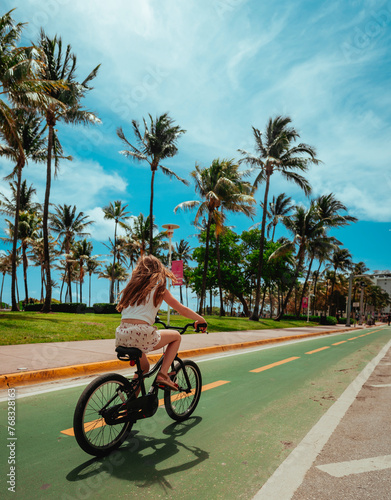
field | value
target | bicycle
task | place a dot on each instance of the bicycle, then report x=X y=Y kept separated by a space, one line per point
x=111 y=404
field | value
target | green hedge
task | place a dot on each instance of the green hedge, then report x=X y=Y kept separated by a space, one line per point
x=104 y=308
x=323 y=320
x=66 y=307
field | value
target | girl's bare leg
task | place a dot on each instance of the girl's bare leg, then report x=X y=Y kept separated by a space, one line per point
x=144 y=364
x=171 y=339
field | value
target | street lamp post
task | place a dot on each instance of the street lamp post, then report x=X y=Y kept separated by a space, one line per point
x=170 y=231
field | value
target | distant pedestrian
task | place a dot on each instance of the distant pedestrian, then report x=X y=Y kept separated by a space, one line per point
x=389 y=319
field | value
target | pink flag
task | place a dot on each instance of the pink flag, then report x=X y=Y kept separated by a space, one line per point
x=177 y=269
x=305 y=302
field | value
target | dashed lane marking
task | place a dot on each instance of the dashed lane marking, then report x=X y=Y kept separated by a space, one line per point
x=342 y=469
x=381 y=385
x=317 y=350
x=342 y=342
x=267 y=367
x=100 y=422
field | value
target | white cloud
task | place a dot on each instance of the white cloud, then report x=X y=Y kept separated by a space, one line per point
x=102 y=229
x=79 y=182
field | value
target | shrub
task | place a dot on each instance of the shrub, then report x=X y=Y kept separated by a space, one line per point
x=331 y=320
x=66 y=307
x=104 y=308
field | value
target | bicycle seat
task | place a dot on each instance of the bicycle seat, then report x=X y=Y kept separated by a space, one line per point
x=128 y=353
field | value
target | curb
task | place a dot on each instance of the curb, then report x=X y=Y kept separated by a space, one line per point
x=48 y=374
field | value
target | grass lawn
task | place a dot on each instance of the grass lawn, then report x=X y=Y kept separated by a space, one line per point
x=34 y=327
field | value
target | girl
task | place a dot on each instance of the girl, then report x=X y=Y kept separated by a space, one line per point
x=140 y=301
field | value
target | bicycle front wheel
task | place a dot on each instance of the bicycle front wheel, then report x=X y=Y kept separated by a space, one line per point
x=181 y=404
x=92 y=433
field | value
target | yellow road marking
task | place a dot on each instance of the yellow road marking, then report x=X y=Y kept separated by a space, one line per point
x=94 y=424
x=263 y=368
x=317 y=350
x=342 y=342
x=353 y=338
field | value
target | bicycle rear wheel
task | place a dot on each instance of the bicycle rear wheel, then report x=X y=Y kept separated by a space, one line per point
x=92 y=433
x=181 y=404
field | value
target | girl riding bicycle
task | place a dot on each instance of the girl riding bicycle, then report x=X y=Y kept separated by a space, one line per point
x=139 y=304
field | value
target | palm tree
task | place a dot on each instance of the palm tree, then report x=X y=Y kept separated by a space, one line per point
x=157 y=143
x=182 y=252
x=140 y=232
x=26 y=203
x=5 y=268
x=276 y=154
x=37 y=256
x=306 y=227
x=28 y=227
x=329 y=209
x=62 y=104
x=67 y=223
x=92 y=267
x=278 y=208
x=114 y=272
x=341 y=260
x=220 y=186
x=81 y=252
x=27 y=142
x=117 y=212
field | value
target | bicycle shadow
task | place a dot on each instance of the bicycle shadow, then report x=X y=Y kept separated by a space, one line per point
x=140 y=458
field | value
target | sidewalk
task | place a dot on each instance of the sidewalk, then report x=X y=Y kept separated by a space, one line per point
x=33 y=363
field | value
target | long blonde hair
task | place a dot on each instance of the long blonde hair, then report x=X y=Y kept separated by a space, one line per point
x=148 y=274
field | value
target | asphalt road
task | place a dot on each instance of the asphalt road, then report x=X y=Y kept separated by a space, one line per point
x=242 y=430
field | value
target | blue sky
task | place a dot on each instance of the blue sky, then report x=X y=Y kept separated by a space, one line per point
x=220 y=67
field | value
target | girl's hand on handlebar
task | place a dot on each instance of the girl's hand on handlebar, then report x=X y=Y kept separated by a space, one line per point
x=200 y=326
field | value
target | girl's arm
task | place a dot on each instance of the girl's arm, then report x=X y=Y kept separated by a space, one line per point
x=183 y=310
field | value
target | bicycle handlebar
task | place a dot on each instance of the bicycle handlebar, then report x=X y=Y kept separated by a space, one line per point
x=182 y=329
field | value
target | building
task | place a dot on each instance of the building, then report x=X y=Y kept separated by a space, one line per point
x=383 y=280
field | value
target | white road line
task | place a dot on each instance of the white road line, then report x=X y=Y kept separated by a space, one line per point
x=290 y=474
x=342 y=469
x=381 y=385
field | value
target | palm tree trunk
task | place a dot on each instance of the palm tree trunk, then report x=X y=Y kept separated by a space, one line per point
x=205 y=265
x=151 y=213
x=222 y=312
x=48 y=297
x=1 y=292
x=15 y=306
x=274 y=230
x=17 y=290
x=293 y=284
x=112 y=282
x=62 y=286
x=332 y=293
x=81 y=284
x=25 y=265
x=255 y=314
x=89 y=291
x=305 y=285
x=263 y=301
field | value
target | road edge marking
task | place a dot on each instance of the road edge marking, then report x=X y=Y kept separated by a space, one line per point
x=289 y=476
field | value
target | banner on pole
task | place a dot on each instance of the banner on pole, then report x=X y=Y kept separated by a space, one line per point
x=305 y=302
x=177 y=269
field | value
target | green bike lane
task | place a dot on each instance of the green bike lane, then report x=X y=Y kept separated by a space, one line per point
x=240 y=432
